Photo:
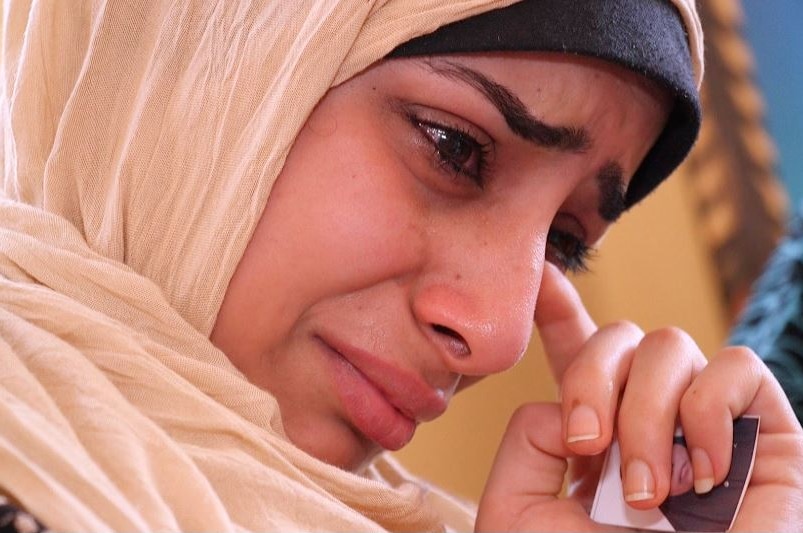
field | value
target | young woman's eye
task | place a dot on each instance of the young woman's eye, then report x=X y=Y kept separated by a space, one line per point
x=567 y=251
x=456 y=151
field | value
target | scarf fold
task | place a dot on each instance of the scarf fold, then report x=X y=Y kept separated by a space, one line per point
x=140 y=145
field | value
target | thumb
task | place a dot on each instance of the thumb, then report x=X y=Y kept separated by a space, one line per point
x=563 y=323
x=522 y=491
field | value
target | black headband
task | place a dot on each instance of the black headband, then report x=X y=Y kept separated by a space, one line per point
x=646 y=36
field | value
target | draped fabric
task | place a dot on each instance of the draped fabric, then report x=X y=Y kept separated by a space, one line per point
x=140 y=144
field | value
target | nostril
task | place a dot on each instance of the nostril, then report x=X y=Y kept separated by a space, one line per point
x=449 y=332
x=453 y=340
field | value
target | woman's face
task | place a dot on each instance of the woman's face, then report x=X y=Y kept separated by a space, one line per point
x=682 y=474
x=402 y=246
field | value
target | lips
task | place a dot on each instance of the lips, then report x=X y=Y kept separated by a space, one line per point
x=384 y=402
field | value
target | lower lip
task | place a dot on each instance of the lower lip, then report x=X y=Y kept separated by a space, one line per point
x=366 y=406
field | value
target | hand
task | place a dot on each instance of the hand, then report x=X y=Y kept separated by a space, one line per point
x=618 y=378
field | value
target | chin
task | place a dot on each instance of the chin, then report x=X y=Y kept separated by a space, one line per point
x=342 y=447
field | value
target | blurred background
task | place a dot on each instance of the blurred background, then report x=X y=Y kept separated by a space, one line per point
x=772 y=30
x=689 y=253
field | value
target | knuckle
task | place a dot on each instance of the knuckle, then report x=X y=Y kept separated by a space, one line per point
x=746 y=358
x=623 y=327
x=741 y=355
x=606 y=349
x=668 y=339
x=529 y=418
x=525 y=415
x=798 y=465
x=581 y=373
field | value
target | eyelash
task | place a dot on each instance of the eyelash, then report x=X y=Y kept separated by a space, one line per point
x=570 y=252
x=435 y=133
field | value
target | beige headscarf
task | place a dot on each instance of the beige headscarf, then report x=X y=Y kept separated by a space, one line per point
x=140 y=144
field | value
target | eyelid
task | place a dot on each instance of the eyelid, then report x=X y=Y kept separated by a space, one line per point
x=453 y=168
x=427 y=119
x=570 y=226
x=447 y=119
x=577 y=260
x=569 y=223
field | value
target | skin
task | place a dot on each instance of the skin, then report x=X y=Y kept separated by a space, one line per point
x=373 y=242
x=397 y=255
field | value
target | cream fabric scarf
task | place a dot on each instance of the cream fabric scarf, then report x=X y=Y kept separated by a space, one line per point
x=140 y=144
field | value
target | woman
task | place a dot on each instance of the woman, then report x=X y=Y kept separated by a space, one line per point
x=220 y=212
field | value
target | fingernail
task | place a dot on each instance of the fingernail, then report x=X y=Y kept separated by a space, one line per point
x=703 y=471
x=583 y=424
x=639 y=484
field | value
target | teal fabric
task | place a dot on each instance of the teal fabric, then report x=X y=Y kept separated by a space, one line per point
x=772 y=324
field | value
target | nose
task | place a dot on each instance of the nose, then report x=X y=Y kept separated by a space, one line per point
x=476 y=304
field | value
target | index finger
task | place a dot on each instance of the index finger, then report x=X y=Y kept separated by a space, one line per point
x=563 y=323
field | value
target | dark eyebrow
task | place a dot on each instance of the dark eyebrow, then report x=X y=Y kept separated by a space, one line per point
x=611 y=191
x=515 y=113
x=610 y=180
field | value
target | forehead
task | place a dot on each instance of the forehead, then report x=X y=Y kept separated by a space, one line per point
x=559 y=87
x=549 y=81
x=603 y=100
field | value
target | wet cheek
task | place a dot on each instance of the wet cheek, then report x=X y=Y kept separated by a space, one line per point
x=375 y=230
x=364 y=220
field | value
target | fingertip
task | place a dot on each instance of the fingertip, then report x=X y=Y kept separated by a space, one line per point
x=558 y=300
x=583 y=424
x=703 y=471
x=554 y=270
x=555 y=288
x=639 y=482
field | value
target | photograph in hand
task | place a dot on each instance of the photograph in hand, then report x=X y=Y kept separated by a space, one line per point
x=684 y=509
